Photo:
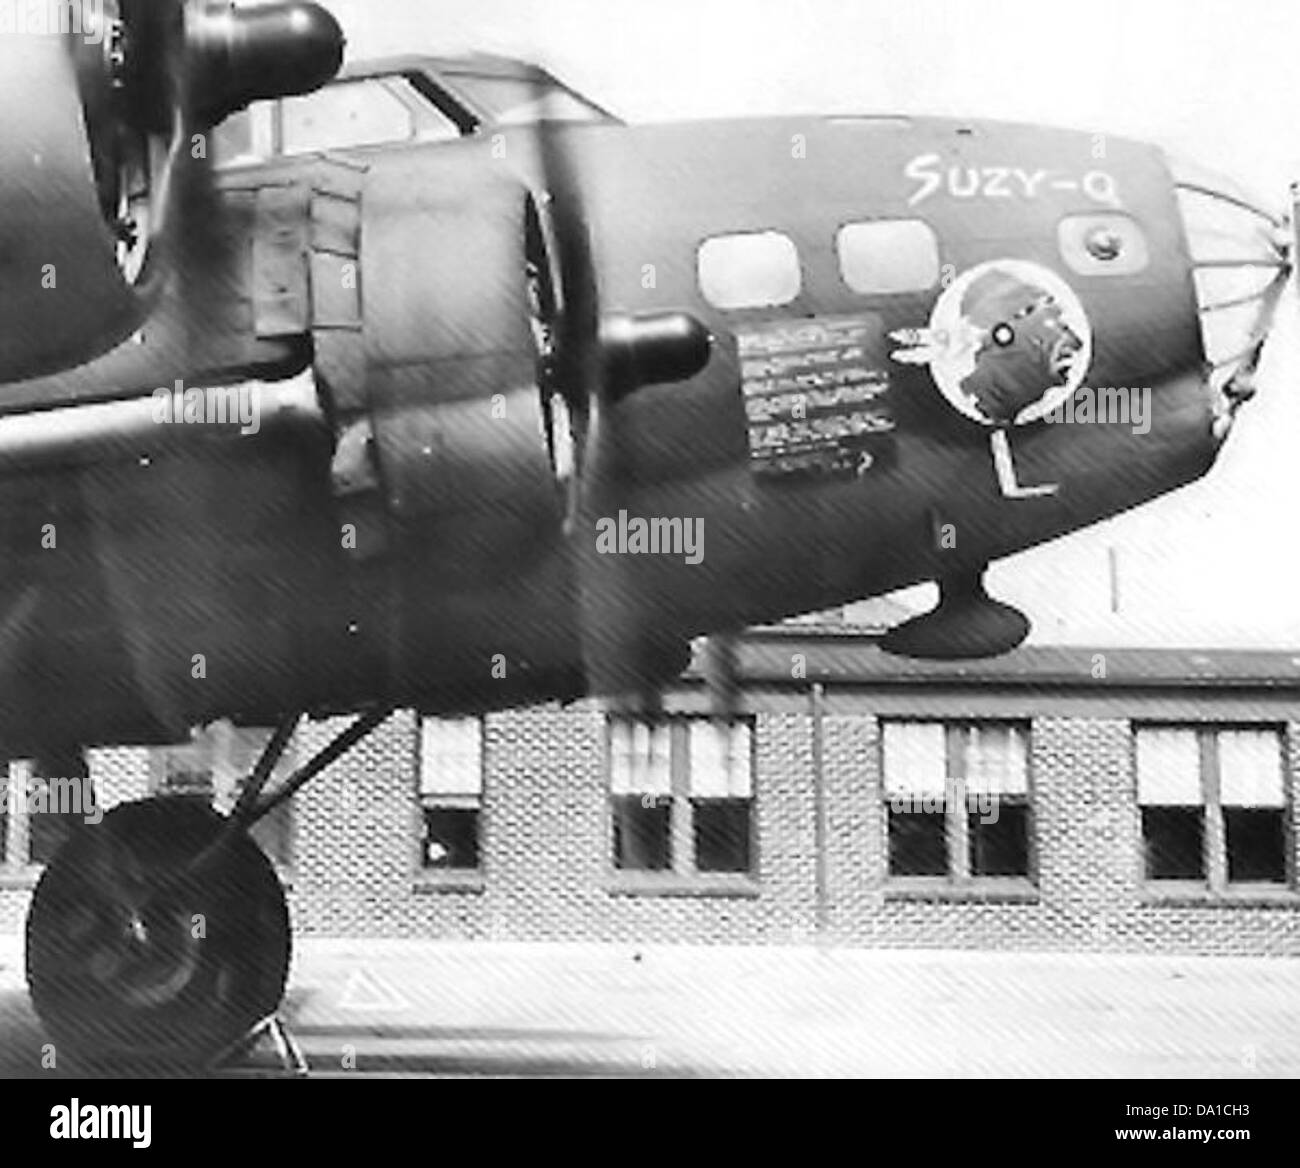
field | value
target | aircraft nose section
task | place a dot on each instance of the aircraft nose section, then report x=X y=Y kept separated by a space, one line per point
x=1240 y=255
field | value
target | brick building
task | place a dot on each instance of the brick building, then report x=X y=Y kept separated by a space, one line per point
x=1053 y=799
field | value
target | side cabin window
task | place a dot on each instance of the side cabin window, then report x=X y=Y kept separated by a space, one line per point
x=888 y=256
x=756 y=269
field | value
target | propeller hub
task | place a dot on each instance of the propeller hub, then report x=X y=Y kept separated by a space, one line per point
x=210 y=60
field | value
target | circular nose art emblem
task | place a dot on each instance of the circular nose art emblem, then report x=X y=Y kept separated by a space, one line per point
x=1008 y=341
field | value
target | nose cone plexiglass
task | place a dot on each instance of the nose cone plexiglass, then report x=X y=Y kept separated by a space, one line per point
x=1240 y=260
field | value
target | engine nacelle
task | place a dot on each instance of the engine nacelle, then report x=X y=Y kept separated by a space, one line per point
x=78 y=110
x=462 y=437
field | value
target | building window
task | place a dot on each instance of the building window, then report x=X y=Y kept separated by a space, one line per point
x=885 y=257
x=214 y=766
x=38 y=815
x=758 y=269
x=236 y=753
x=451 y=793
x=1213 y=805
x=957 y=800
x=49 y=826
x=681 y=796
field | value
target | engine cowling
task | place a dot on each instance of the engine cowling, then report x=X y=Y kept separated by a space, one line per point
x=95 y=120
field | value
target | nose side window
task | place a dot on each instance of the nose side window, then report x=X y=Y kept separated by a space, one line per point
x=888 y=256
x=757 y=269
x=1103 y=245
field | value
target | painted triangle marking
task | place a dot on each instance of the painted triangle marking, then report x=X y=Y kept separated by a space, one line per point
x=365 y=992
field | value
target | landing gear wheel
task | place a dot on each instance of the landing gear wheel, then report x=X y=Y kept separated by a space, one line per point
x=136 y=961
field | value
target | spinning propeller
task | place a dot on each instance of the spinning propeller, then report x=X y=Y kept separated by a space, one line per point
x=82 y=114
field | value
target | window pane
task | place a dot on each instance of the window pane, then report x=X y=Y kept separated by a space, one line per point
x=1226 y=332
x=246 y=137
x=518 y=100
x=1219 y=230
x=186 y=771
x=1168 y=767
x=722 y=835
x=996 y=762
x=915 y=758
x=1000 y=847
x=917 y=843
x=1172 y=840
x=885 y=257
x=756 y=270
x=640 y=757
x=234 y=752
x=1256 y=845
x=346 y=114
x=450 y=837
x=720 y=760
x=55 y=809
x=232 y=139
x=451 y=756
x=1250 y=768
x=642 y=841
x=1219 y=285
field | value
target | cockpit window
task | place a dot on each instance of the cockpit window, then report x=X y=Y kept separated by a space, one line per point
x=513 y=101
x=352 y=113
x=888 y=256
x=245 y=138
x=368 y=112
x=345 y=115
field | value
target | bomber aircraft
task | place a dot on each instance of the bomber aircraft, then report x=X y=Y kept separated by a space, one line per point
x=430 y=383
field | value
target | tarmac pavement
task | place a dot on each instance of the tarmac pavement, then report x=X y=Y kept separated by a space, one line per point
x=363 y=1007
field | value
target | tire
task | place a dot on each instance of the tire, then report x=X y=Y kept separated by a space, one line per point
x=136 y=963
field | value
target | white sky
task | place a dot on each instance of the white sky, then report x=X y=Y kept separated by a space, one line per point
x=1215 y=564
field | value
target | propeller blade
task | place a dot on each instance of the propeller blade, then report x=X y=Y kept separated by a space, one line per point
x=720 y=664
x=600 y=358
x=188 y=64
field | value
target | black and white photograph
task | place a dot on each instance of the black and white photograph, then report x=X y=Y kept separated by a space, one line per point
x=649 y=540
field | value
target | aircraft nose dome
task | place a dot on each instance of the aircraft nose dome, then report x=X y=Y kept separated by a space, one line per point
x=1240 y=262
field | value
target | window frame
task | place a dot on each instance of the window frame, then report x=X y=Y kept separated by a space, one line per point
x=683 y=877
x=17 y=869
x=427 y=878
x=1215 y=859
x=959 y=881
x=226 y=753
x=420 y=100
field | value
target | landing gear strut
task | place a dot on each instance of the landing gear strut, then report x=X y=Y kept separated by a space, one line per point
x=161 y=936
